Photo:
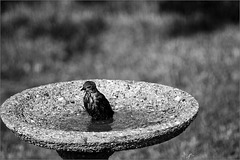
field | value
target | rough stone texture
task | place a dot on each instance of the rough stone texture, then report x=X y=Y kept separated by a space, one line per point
x=25 y=112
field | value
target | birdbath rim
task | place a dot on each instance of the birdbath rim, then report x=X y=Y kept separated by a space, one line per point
x=15 y=114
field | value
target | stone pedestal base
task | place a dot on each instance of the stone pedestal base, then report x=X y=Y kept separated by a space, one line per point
x=83 y=155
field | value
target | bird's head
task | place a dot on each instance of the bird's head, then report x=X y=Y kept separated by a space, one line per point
x=89 y=86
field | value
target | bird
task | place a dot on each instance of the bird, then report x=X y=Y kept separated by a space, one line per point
x=95 y=103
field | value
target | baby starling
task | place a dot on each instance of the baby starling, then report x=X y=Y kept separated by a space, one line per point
x=95 y=102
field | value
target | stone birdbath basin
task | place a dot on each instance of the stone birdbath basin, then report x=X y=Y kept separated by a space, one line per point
x=52 y=116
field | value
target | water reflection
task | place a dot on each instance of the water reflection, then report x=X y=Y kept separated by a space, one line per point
x=100 y=126
x=122 y=119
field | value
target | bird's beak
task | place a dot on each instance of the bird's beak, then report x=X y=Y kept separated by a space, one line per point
x=82 y=89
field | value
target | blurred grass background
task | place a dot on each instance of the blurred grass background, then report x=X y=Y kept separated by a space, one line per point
x=193 y=46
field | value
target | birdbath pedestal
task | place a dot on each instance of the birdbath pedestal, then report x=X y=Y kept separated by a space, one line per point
x=52 y=116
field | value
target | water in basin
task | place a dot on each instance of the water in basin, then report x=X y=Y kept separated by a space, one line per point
x=124 y=118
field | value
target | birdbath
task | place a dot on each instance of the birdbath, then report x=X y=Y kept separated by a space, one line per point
x=52 y=116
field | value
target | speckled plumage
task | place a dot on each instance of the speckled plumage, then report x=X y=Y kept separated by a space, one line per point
x=96 y=103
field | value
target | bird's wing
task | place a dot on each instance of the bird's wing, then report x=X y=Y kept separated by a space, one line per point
x=103 y=103
x=97 y=99
x=100 y=99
